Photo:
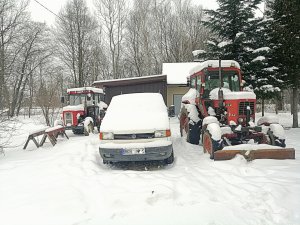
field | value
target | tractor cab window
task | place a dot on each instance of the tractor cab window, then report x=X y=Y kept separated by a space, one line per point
x=75 y=99
x=193 y=82
x=198 y=85
x=230 y=80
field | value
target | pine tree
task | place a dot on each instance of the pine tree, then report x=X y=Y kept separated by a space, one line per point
x=266 y=81
x=232 y=23
x=286 y=39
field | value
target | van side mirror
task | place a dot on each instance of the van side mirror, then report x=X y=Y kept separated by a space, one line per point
x=171 y=111
x=62 y=99
x=188 y=82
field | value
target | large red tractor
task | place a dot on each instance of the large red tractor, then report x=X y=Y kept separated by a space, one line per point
x=219 y=114
x=85 y=109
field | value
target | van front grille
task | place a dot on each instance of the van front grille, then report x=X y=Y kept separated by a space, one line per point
x=133 y=136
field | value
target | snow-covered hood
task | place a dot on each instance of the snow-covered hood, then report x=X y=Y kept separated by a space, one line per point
x=102 y=105
x=136 y=113
x=229 y=95
x=74 y=108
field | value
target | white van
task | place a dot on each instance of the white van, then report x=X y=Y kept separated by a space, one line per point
x=136 y=128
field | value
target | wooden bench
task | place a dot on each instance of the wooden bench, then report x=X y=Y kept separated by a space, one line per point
x=52 y=134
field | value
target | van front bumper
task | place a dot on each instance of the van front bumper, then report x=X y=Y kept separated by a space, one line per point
x=120 y=154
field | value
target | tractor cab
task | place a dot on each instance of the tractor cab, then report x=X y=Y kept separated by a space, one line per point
x=217 y=113
x=85 y=107
x=219 y=92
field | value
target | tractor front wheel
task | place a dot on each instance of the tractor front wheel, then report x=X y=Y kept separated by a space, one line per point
x=89 y=129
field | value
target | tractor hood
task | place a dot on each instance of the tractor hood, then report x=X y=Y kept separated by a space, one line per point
x=229 y=95
x=74 y=108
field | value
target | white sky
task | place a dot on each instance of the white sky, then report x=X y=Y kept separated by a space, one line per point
x=38 y=13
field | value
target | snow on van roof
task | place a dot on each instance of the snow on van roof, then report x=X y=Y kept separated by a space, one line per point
x=177 y=73
x=213 y=64
x=136 y=113
x=95 y=90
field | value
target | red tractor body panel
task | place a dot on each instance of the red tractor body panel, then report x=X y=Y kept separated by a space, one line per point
x=73 y=114
x=83 y=102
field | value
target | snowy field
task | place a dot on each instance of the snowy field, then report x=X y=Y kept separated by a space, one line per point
x=68 y=184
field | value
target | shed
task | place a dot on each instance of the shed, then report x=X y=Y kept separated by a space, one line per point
x=154 y=83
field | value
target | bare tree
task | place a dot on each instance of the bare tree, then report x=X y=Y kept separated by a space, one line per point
x=75 y=31
x=32 y=51
x=162 y=31
x=47 y=96
x=112 y=14
x=12 y=17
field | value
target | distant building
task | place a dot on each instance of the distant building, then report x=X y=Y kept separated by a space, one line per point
x=177 y=74
x=172 y=84
x=155 y=83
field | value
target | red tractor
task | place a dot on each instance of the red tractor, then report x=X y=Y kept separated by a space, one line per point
x=219 y=114
x=85 y=109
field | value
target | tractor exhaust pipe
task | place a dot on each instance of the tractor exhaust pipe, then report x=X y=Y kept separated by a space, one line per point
x=220 y=93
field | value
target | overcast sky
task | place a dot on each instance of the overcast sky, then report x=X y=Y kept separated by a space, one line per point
x=38 y=13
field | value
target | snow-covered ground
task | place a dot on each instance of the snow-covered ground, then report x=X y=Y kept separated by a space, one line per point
x=68 y=184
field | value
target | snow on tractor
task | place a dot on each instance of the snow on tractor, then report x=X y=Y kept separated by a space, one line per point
x=218 y=114
x=85 y=109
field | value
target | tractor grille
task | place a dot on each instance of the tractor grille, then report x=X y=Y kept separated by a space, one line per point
x=243 y=107
x=133 y=136
x=68 y=118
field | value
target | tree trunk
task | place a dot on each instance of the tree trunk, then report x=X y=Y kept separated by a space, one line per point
x=262 y=107
x=291 y=102
x=281 y=101
x=2 y=74
x=295 y=107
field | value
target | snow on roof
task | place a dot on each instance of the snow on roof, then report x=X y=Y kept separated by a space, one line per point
x=136 y=113
x=81 y=89
x=177 y=73
x=129 y=78
x=213 y=63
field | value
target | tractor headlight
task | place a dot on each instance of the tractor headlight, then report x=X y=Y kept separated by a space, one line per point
x=162 y=133
x=106 y=136
x=241 y=120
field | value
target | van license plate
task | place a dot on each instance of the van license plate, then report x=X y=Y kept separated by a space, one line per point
x=133 y=151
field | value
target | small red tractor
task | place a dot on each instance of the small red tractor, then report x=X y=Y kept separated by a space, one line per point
x=85 y=109
x=219 y=114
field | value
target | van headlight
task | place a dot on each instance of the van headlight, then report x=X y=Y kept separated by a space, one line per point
x=106 y=136
x=162 y=133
